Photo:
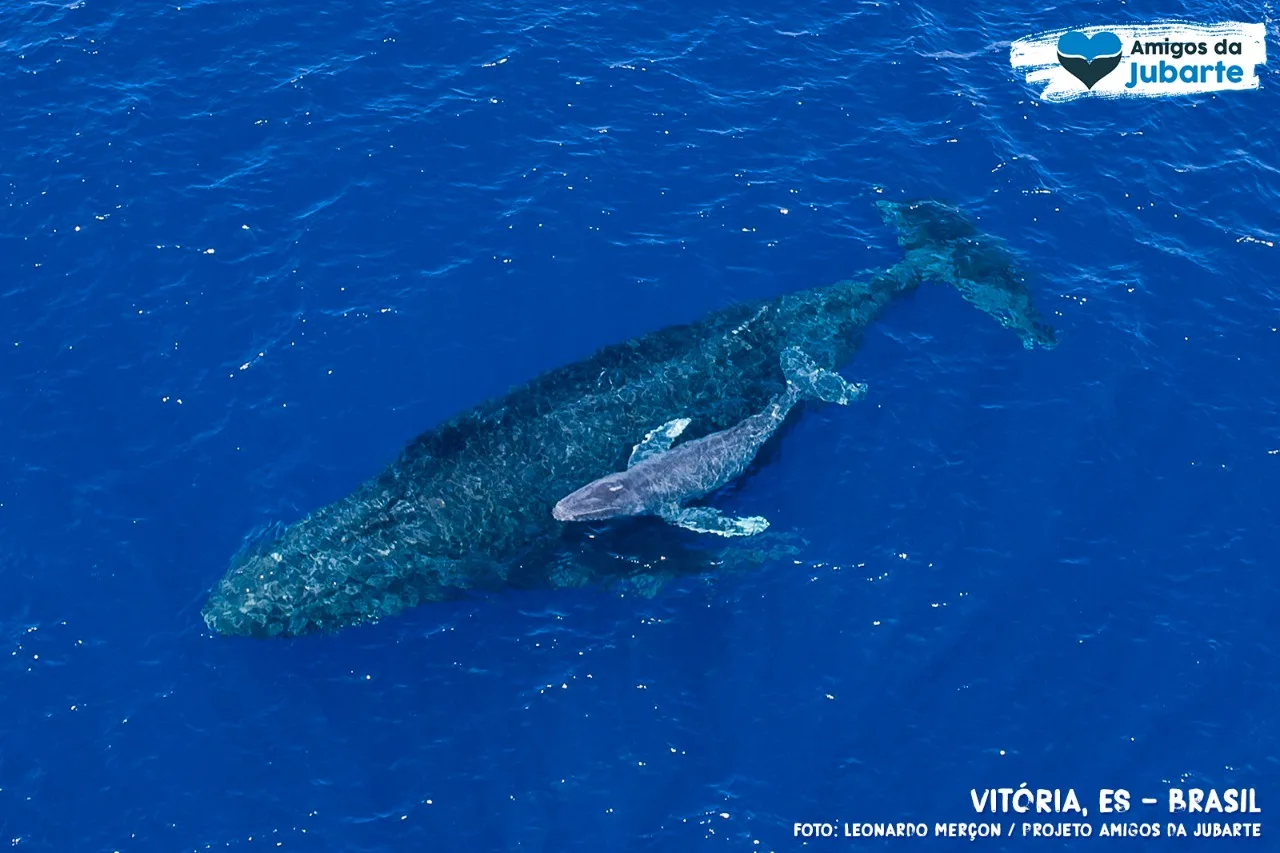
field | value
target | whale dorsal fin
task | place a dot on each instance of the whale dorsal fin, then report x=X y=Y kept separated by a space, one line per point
x=657 y=440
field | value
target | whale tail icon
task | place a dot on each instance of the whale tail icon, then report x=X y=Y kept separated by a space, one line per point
x=944 y=245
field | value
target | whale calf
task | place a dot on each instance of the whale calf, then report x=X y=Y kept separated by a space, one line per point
x=660 y=478
x=468 y=504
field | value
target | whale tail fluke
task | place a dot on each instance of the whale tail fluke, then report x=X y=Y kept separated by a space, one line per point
x=806 y=379
x=942 y=244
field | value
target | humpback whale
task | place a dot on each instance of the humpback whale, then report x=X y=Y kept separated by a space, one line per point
x=468 y=504
x=658 y=478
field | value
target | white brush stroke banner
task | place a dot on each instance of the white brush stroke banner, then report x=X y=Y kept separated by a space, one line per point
x=1037 y=57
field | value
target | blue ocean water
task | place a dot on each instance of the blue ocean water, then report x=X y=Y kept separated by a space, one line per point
x=250 y=250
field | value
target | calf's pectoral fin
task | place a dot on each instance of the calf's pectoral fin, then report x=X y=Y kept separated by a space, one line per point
x=657 y=440
x=708 y=520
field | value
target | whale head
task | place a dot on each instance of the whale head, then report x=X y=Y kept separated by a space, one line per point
x=609 y=497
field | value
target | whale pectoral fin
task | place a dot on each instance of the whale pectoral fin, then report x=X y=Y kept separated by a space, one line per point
x=657 y=440
x=708 y=520
x=646 y=584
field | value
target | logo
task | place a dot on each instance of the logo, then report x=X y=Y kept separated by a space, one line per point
x=1157 y=60
x=1089 y=58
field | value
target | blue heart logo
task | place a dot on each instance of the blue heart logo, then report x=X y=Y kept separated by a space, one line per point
x=1089 y=58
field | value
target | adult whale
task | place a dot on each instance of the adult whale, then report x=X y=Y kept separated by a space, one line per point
x=469 y=503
